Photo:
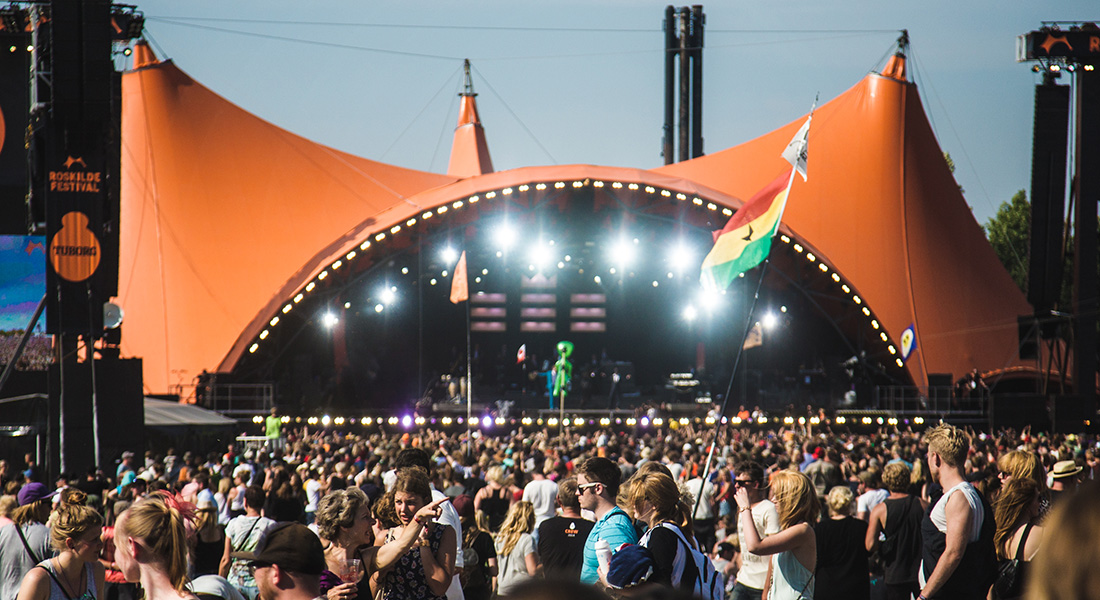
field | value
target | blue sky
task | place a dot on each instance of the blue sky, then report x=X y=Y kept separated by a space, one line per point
x=582 y=82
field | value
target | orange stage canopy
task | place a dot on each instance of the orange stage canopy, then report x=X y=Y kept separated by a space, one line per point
x=225 y=218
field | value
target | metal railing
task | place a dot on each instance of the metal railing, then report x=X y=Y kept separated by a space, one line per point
x=937 y=400
x=241 y=399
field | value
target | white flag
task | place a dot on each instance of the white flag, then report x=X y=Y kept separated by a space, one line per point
x=796 y=151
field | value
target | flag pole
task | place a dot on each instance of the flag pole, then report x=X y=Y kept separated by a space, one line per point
x=469 y=385
x=794 y=153
x=729 y=387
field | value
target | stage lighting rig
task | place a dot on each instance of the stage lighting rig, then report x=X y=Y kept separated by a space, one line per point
x=13 y=18
x=127 y=23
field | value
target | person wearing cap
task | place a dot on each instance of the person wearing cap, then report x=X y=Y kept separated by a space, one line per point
x=288 y=563
x=1064 y=480
x=26 y=541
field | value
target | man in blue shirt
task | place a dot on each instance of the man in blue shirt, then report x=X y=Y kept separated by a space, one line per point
x=597 y=486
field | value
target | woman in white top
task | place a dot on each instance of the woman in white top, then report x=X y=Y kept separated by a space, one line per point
x=75 y=573
x=794 y=548
x=516 y=554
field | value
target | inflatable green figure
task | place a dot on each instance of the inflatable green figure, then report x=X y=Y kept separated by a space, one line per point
x=563 y=373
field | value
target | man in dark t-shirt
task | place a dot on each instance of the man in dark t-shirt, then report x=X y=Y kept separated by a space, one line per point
x=561 y=539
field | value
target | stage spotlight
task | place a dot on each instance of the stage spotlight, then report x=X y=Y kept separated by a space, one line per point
x=541 y=255
x=770 y=320
x=388 y=295
x=329 y=320
x=379 y=308
x=505 y=236
x=597 y=279
x=711 y=300
x=690 y=313
x=680 y=257
x=448 y=254
x=622 y=253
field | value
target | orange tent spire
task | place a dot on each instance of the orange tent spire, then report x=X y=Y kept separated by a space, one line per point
x=470 y=151
x=895 y=66
x=143 y=55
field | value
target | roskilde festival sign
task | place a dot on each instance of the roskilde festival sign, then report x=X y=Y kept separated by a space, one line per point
x=74 y=250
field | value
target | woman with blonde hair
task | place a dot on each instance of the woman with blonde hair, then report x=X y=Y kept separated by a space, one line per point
x=1016 y=512
x=1019 y=464
x=495 y=498
x=1067 y=569
x=209 y=540
x=794 y=548
x=842 y=569
x=656 y=501
x=75 y=573
x=516 y=555
x=151 y=546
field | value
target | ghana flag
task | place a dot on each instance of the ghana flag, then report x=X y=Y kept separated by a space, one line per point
x=747 y=237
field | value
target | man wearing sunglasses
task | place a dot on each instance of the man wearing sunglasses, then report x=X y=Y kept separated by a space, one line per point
x=754 y=568
x=288 y=566
x=597 y=485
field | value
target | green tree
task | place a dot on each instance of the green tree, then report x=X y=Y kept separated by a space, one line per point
x=1009 y=232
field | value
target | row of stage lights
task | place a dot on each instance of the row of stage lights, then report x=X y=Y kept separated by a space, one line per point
x=457 y=205
x=380 y=236
x=848 y=291
x=408 y=422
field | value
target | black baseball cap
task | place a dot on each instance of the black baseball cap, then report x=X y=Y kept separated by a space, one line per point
x=292 y=546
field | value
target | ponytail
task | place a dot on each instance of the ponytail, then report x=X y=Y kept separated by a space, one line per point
x=160 y=521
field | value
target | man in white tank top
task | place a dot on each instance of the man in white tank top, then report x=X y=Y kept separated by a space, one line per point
x=957 y=517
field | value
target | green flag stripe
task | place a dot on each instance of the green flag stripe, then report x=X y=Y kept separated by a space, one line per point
x=753 y=254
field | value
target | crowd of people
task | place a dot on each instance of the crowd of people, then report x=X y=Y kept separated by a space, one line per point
x=655 y=513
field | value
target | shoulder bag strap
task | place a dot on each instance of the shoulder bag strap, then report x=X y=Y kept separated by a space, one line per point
x=248 y=535
x=1023 y=542
x=30 y=553
x=812 y=575
x=56 y=580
